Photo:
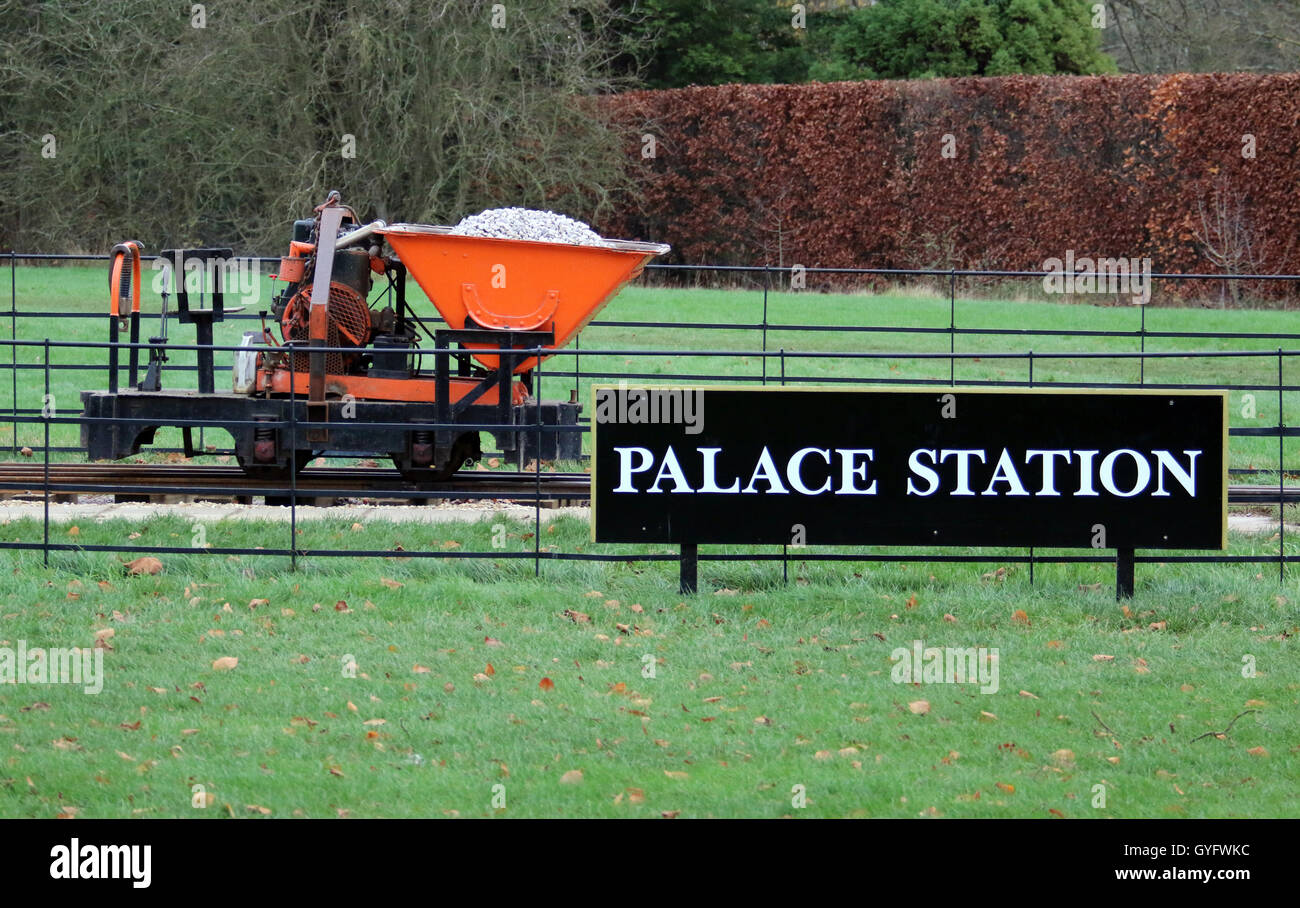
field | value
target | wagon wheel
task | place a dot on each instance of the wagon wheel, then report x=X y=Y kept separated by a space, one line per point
x=275 y=471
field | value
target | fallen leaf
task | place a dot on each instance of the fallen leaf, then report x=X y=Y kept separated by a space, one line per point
x=1063 y=758
x=676 y=775
x=145 y=565
x=572 y=777
x=546 y=684
x=919 y=707
x=225 y=663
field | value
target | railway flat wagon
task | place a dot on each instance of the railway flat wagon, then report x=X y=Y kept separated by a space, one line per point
x=346 y=376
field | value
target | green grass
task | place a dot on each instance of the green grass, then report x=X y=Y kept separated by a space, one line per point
x=757 y=687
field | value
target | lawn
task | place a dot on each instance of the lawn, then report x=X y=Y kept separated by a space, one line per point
x=409 y=687
x=413 y=686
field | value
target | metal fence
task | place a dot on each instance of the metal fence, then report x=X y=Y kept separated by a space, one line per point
x=37 y=355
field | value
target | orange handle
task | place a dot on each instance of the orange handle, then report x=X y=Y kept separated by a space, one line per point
x=124 y=278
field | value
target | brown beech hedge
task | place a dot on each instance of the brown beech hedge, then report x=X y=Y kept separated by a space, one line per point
x=1201 y=173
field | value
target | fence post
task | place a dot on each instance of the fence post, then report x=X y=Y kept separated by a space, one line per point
x=952 y=326
x=689 y=568
x=13 y=336
x=537 y=466
x=1281 y=476
x=1124 y=580
x=1142 y=347
x=45 y=417
x=766 y=282
x=1031 y=548
x=293 y=466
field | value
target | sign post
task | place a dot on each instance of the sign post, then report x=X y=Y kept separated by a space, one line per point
x=1120 y=470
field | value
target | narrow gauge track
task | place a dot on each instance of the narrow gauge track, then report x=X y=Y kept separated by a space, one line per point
x=343 y=482
x=352 y=482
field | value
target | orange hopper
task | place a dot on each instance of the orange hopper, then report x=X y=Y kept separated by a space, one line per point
x=523 y=285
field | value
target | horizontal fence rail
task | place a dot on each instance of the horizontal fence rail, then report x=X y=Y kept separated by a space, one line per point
x=37 y=362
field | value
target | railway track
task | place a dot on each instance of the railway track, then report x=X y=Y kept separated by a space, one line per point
x=190 y=480
x=19 y=480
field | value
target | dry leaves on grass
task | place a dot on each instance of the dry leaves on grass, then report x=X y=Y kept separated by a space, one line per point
x=225 y=663
x=146 y=565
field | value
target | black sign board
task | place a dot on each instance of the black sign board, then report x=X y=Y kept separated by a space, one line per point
x=947 y=466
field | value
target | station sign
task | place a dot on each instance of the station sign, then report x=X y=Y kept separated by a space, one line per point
x=906 y=467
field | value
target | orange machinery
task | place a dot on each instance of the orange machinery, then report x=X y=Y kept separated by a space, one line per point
x=350 y=361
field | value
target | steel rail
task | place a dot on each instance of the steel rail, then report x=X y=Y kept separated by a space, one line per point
x=193 y=479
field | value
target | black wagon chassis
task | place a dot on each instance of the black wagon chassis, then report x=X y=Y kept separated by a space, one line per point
x=117 y=424
x=272 y=432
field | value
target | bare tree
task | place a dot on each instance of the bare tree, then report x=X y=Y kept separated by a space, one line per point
x=1226 y=237
x=182 y=128
x=1163 y=36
